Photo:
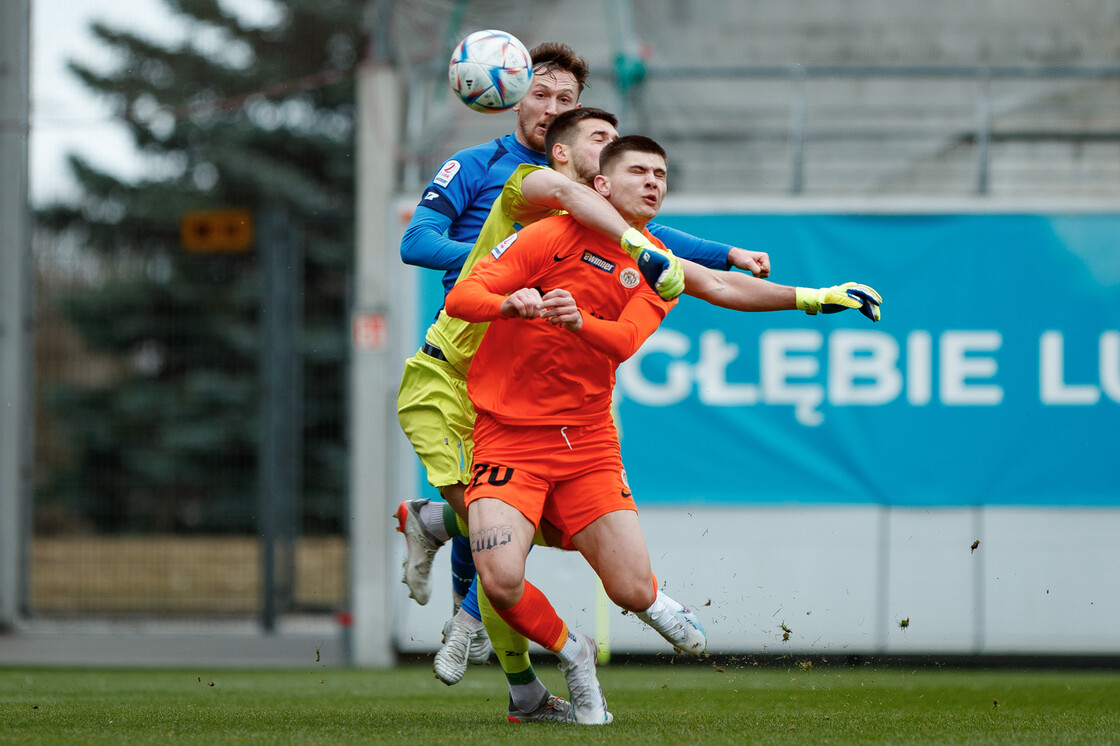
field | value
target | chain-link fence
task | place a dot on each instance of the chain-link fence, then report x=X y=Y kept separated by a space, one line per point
x=148 y=449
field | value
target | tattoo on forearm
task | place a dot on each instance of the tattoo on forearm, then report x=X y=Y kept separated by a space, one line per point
x=490 y=537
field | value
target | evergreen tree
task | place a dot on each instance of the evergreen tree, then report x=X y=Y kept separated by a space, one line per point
x=233 y=116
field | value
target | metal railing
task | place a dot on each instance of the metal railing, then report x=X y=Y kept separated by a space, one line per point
x=814 y=113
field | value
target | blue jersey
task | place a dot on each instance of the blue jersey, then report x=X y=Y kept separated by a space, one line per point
x=464 y=190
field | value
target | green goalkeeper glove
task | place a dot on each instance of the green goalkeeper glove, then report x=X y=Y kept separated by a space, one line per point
x=662 y=270
x=839 y=297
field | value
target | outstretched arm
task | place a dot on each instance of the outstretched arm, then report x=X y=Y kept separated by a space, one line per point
x=736 y=290
x=741 y=292
x=711 y=254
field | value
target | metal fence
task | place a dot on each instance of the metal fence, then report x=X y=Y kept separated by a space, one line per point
x=885 y=130
x=169 y=479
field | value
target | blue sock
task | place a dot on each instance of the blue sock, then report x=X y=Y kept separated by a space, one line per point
x=470 y=601
x=462 y=566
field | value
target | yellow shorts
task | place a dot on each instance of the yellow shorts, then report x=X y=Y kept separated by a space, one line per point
x=437 y=418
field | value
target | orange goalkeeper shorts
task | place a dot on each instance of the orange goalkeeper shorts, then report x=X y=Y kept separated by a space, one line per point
x=569 y=475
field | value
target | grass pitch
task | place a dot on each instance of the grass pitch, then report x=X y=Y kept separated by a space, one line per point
x=729 y=703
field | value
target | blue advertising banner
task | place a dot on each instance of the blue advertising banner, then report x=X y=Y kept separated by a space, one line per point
x=992 y=379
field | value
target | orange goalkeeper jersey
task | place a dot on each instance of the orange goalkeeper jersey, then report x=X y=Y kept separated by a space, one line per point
x=531 y=372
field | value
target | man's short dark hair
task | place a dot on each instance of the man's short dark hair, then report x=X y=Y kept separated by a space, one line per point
x=564 y=127
x=628 y=144
x=554 y=55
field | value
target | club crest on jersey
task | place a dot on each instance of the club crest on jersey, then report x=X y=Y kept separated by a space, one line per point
x=597 y=261
x=501 y=248
x=447 y=173
x=629 y=278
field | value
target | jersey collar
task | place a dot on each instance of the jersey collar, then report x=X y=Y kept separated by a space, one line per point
x=529 y=155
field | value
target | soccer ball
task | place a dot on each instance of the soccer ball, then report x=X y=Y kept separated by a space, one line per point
x=490 y=71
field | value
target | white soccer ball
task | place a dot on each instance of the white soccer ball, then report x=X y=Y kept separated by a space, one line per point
x=490 y=71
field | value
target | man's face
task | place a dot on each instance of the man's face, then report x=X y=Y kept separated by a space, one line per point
x=551 y=93
x=635 y=184
x=591 y=136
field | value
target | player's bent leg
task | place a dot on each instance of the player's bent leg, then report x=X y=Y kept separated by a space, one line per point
x=534 y=617
x=500 y=540
x=614 y=547
x=547 y=535
x=436 y=416
x=529 y=699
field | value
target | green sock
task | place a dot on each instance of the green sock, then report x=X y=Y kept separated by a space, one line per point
x=455 y=525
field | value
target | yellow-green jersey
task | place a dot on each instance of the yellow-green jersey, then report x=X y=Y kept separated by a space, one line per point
x=458 y=339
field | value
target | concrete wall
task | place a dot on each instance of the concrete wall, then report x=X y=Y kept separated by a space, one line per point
x=868 y=134
x=844 y=578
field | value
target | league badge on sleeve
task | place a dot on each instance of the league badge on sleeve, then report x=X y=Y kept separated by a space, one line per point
x=447 y=173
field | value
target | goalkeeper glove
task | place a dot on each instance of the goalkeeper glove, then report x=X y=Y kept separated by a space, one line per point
x=839 y=297
x=662 y=270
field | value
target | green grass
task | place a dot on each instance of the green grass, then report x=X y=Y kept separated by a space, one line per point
x=652 y=704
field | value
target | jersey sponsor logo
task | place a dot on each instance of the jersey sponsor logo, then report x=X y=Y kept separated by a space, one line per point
x=629 y=278
x=597 y=261
x=430 y=195
x=501 y=248
x=447 y=173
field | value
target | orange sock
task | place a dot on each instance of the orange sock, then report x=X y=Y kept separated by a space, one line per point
x=534 y=617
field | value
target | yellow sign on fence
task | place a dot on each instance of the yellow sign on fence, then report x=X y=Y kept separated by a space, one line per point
x=207 y=231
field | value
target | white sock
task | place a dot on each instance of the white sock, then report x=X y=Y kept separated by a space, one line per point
x=572 y=648
x=431 y=516
x=526 y=697
x=468 y=621
x=661 y=602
